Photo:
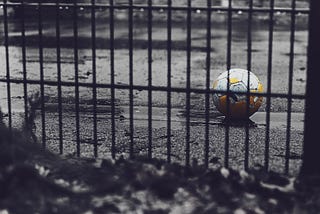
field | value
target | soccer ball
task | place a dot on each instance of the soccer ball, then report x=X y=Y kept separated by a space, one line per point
x=238 y=82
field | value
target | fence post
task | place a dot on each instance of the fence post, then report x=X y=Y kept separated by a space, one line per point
x=311 y=147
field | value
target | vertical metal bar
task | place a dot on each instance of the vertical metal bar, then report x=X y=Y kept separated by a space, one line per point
x=207 y=98
x=76 y=74
x=59 y=76
x=169 y=43
x=188 y=83
x=291 y=61
x=24 y=63
x=311 y=147
x=150 y=78
x=113 y=129
x=249 y=56
x=131 y=75
x=94 y=78
x=8 y=76
x=267 y=136
x=226 y=156
x=43 y=122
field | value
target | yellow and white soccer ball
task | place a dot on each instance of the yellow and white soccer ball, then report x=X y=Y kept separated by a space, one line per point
x=238 y=82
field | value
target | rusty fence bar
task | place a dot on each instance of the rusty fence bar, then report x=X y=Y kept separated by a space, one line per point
x=43 y=121
x=5 y=20
x=149 y=79
x=270 y=47
x=207 y=98
x=59 y=78
x=169 y=37
x=249 y=61
x=112 y=74
x=290 y=80
x=94 y=78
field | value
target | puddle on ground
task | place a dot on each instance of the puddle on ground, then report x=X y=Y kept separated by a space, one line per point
x=278 y=120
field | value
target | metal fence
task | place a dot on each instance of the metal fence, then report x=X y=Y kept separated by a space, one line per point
x=59 y=12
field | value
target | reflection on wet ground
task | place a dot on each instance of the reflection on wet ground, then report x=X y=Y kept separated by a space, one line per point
x=178 y=116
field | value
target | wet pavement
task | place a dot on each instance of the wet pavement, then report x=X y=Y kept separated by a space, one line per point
x=217 y=136
x=279 y=84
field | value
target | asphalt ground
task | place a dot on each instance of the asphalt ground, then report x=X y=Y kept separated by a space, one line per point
x=217 y=136
x=279 y=84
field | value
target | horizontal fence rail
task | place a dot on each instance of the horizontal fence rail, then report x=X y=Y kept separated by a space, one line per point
x=109 y=135
x=154 y=88
x=159 y=7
